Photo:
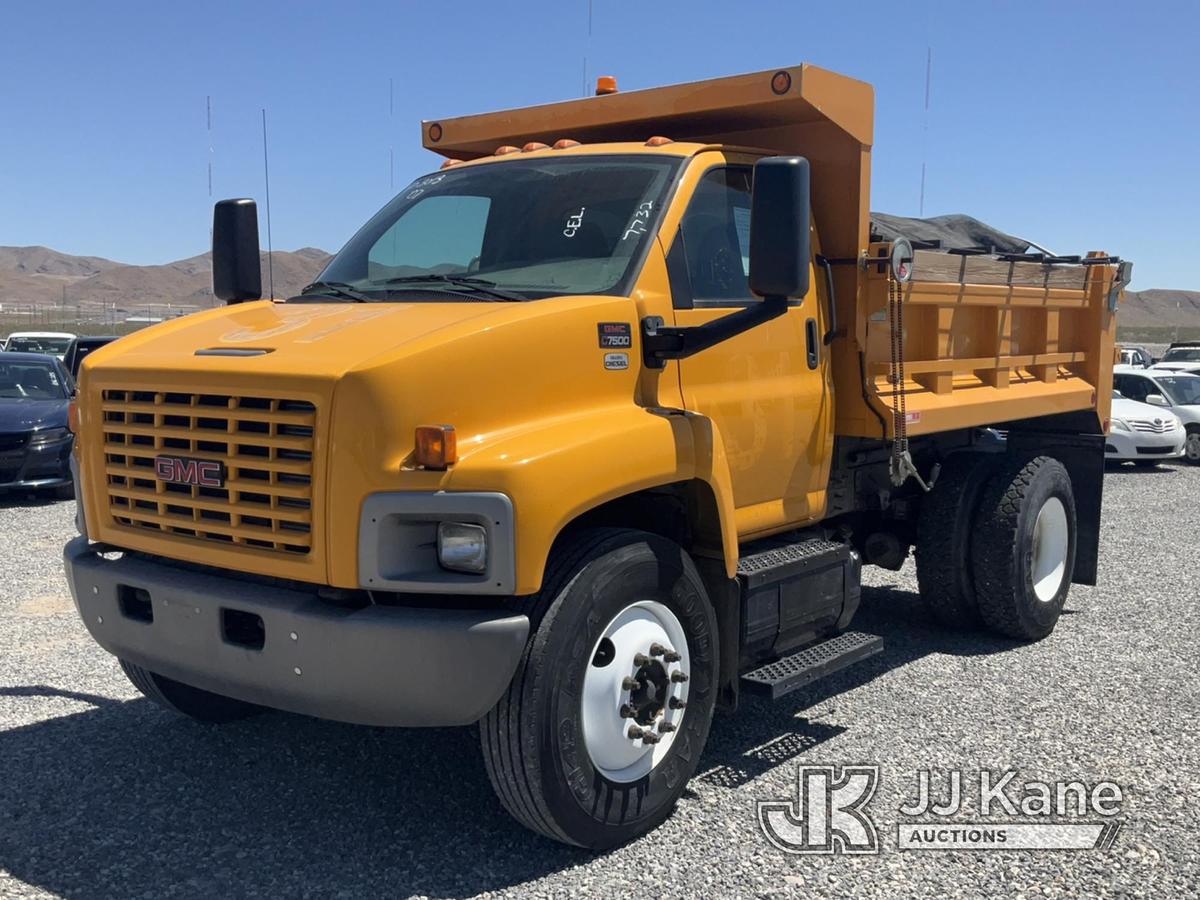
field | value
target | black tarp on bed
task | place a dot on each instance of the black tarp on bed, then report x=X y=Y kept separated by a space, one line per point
x=953 y=232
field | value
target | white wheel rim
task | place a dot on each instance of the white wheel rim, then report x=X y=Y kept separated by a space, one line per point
x=638 y=629
x=1051 y=540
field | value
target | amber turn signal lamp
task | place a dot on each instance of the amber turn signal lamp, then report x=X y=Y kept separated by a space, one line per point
x=73 y=416
x=606 y=84
x=437 y=446
x=658 y=140
x=565 y=143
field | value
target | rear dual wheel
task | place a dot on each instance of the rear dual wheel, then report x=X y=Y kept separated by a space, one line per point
x=605 y=719
x=996 y=544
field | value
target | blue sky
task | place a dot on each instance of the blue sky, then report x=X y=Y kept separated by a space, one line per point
x=1074 y=124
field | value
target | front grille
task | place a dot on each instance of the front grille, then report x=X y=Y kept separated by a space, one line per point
x=265 y=445
x=1153 y=426
x=13 y=441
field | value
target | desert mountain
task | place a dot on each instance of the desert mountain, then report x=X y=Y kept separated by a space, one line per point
x=36 y=275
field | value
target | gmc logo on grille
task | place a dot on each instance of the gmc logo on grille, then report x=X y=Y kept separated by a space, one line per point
x=200 y=472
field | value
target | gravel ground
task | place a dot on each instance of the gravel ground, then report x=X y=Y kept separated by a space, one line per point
x=102 y=794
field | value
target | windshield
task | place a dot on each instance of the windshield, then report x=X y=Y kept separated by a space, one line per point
x=1182 y=354
x=38 y=345
x=30 y=381
x=1181 y=390
x=532 y=228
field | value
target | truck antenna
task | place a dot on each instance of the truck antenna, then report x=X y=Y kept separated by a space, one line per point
x=925 y=128
x=267 y=181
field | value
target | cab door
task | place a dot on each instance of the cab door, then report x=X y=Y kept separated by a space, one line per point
x=766 y=390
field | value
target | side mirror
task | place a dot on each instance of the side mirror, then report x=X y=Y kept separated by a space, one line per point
x=237 y=274
x=1156 y=400
x=779 y=228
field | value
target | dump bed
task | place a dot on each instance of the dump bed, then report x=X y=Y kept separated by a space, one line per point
x=967 y=340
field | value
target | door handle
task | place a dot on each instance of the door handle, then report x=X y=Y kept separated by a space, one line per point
x=810 y=331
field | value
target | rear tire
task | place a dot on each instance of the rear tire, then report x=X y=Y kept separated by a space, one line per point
x=535 y=741
x=1025 y=548
x=1191 y=447
x=204 y=706
x=944 y=534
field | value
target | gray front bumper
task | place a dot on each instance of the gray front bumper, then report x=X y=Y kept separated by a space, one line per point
x=382 y=665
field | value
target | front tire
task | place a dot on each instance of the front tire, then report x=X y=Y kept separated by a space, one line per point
x=1025 y=548
x=204 y=706
x=558 y=745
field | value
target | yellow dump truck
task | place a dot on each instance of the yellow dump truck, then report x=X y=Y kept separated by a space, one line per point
x=584 y=434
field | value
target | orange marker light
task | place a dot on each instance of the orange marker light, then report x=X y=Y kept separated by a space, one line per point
x=534 y=145
x=565 y=143
x=506 y=149
x=606 y=84
x=437 y=446
x=451 y=162
x=435 y=132
x=781 y=82
x=658 y=140
x=73 y=416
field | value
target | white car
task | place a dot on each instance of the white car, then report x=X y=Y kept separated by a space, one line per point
x=1181 y=357
x=1167 y=389
x=1142 y=434
x=54 y=343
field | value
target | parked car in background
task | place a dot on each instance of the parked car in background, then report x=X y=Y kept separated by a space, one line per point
x=53 y=342
x=1137 y=357
x=1142 y=434
x=1165 y=388
x=81 y=347
x=1182 y=356
x=35 y=442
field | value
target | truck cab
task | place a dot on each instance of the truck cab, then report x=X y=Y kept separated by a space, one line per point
x=585 y=433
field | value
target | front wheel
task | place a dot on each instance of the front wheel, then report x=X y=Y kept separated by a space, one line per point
x=609 y=709
x=1025 y=548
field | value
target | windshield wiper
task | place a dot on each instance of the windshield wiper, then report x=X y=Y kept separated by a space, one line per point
x=335 y=289
x=478 y=285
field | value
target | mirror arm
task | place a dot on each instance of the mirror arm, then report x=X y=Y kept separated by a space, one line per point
x=662 y=342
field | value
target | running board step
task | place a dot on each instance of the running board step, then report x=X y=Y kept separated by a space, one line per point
x=803 y=667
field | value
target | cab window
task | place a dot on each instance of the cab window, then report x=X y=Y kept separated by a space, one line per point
x=715 y=235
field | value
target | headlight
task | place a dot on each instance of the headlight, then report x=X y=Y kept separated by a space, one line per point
x=1121 y=425
x=462 y=548
x=49 y=436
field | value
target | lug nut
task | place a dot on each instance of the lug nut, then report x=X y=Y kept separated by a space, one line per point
x=665 y=727
x=641 y=659
x=634 y=733
x=676 y=703
x=657 y=649
x=649 y=737
x=627 y=711
x=671 y=656
x=629 y=684
x=678 y=677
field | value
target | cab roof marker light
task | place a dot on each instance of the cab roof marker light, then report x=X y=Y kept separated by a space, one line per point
x=565 y=143
x=506 y=149
x=658 y=141
x=534 y=145
x=450 y=163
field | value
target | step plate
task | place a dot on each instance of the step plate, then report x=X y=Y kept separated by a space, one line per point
x=803 y=667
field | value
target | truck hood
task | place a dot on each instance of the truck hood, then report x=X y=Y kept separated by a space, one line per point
x=321 y=340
